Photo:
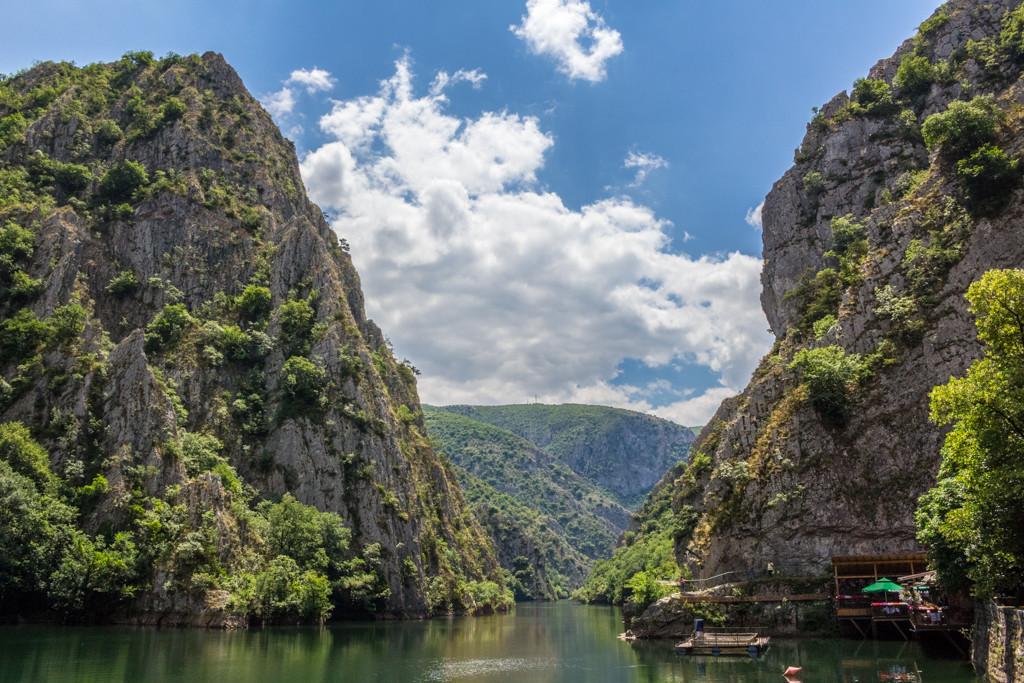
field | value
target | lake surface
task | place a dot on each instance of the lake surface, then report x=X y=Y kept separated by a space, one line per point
x=538 y=642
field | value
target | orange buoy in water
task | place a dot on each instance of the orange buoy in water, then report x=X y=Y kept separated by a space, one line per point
x=793 y=671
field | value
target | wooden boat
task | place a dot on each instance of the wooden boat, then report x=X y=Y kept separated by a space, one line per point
x=723 y=642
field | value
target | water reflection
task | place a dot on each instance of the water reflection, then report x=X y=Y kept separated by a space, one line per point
x=548 y=643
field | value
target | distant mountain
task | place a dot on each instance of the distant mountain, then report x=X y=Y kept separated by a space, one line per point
x=549 y=522
x=623 y=452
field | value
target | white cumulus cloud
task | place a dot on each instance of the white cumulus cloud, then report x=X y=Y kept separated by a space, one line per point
x=571 y=33
x=753 y=218
x=315 y=80
x=495 y=289
x=282 y=103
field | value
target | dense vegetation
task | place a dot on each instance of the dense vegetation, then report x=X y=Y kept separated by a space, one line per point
x=971 y=521
x=190 y=509
x=548 y=522
x=620 y=451
x=646 y=556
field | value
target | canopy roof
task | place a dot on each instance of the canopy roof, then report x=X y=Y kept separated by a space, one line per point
x=881 y=585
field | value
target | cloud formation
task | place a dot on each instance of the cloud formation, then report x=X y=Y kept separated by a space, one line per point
x=571 y=33
x=644 y=164
x=494 y=288
x=753 y=218
x=281 y=103
x=316 y=80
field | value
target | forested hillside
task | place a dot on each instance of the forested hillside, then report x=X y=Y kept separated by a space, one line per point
x=621 y=451
x=198 y=424
x=548 y=523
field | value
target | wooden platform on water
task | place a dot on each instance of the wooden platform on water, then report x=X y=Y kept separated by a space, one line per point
x=723 y=642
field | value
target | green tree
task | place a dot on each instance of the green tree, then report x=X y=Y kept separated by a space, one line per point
x=316 y=540
x=121 y=181
x=254 y=302
x=25 y=456
x=645 y=589
x=963 y=127
x=989 y=176
x=302 y=379
x=872 y=96
x=167 y=327
x=915 y=76
x=296 y=320
x=972 y=519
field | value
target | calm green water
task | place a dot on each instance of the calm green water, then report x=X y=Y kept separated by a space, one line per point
x=550 y=642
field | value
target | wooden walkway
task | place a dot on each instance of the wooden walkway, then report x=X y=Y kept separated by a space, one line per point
x=802 y=597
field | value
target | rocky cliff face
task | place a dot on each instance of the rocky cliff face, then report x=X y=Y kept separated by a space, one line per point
x=209 y=303
x=870 y=242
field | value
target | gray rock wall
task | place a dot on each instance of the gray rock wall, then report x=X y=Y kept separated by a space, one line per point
x=998 y=643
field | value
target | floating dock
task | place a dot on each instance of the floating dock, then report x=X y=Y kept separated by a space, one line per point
x=723 y=642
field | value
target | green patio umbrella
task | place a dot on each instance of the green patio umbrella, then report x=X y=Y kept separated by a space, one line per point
x=883 y=586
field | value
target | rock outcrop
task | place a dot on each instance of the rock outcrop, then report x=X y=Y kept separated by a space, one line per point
x=169 y=222
x=870 y=242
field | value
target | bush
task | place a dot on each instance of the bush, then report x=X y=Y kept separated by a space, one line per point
x=846 y=234
x=915 y=76
x=107 y=132
x=12 y=130
x=67 y=324
x=817 y=296
x=200 y=452
x=963 y=127
x=831 y=377
x=124 y=284
x=173 y=109
x=254 y=302
x=302 y=380
x=21 y=335
x=296 y=321
x=167 y=326
x=72 y=178
x=1011 y=37
x=871 y=97
x=121 y=181
x=988 y=177
x=26 y=457
x=16 y=242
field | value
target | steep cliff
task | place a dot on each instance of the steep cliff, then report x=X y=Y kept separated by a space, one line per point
x=182 y=328
x=903 y=192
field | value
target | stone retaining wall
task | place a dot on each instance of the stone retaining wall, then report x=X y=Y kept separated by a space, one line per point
x=998 y=649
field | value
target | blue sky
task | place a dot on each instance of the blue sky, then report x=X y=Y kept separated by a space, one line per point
x=546 y=199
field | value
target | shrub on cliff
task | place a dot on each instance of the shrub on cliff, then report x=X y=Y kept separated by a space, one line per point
x=831 y=377
x=121 y=181
x=963 y=127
